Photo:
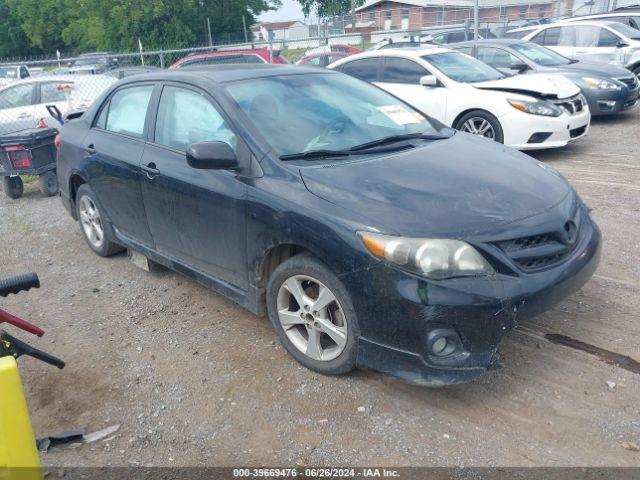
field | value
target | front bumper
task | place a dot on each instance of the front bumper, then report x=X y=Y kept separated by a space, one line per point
x=398 y=312
x=519 y=129
x=609 y=103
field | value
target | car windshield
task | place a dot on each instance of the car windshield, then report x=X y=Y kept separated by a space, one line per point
x=626 y=30
x=8 y=72
x=462 y=68
x=325 y=111
x=540 y=55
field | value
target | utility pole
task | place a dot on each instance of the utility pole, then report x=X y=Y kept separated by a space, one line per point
x=353 y=16
x=476 y=14
x=244 y=29
x=209 y=32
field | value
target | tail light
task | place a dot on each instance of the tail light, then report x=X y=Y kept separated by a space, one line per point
x=19 y=156
x=56 y=142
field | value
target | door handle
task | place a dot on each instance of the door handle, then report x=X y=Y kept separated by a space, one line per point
x=151 y=170
x=90 y=149
x=25 y=115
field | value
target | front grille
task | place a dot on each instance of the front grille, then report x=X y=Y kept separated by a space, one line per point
x=576 y=132
x=537 y=252
x=572 y=105
x=631 y=82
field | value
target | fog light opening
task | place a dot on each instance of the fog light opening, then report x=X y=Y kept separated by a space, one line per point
x=443 y=342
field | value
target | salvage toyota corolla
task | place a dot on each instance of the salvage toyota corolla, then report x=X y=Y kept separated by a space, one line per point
x=372 y=236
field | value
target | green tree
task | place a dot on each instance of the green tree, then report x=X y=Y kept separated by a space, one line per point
x=327 y=8
x=13 y=41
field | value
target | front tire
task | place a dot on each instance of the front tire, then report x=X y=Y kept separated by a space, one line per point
x=13 y=187
x=48 y=183
x=95 y=229
x=311 y=311
x=481 y=123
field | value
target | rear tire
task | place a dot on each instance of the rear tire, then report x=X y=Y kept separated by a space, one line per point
x=94 y=226
x=13 y=187
x=481 y=123
x=48 y=183
x=324 y=338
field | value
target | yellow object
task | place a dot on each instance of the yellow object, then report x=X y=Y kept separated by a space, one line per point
x=18 y=453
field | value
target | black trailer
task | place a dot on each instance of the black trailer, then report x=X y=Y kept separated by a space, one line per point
x=29 y=152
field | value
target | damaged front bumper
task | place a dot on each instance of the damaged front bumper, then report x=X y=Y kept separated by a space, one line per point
x=401 y=316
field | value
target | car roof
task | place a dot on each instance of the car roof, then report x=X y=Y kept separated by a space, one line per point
x=559 y=23
x=606 y=14
x=225 y=72
x=487 y=41
x=413 y=52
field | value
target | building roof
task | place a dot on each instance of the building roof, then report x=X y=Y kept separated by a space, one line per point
x=276 y=25
x=454 y=3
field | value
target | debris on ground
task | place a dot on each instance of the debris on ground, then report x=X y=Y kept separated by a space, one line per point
x=73 y=438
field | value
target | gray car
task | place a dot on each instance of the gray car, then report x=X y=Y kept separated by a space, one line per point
x=609 y=89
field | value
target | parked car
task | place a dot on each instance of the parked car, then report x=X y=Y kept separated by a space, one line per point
x=519 y=33
x=524 y=112
x=607 y=88
x=632 y=19
x=321 y=59
x=407 y=42
x=256 y=55
x=23 y=104
x=598 y=42
x=457 y=35
x=12 y=73
x=335 y=48
x=125 y=72
x=370 y=235
x=93 y=63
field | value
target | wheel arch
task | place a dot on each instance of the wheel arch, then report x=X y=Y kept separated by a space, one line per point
x=76 y=180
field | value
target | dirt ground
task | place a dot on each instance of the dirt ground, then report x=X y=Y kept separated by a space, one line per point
x=193 y=379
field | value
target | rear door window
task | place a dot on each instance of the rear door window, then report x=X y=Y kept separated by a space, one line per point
x=53 y=92
x=365 y=69
x=127 y=110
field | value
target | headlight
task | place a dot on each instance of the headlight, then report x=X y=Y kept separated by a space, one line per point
x=601 y=84
x=541 y=107
x=430 y=257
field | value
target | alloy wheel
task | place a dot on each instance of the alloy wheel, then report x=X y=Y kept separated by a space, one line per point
x=479 y=126
x=312 y=318
x=91 y=222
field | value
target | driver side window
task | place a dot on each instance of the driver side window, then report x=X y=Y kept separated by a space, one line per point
x=186 y=117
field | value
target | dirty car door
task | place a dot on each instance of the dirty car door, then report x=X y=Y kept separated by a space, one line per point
x=196 y=216
x=114 y=147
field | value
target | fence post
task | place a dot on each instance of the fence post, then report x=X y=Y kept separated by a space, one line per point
x=362 y=42
x=161 y=59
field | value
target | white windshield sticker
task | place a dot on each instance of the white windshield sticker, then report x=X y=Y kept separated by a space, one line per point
x=400 y=115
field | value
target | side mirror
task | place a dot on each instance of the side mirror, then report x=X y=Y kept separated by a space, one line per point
x=519 y=66
x=429 y=81
x=621 y=44
x=211 y=156
x=69 y=64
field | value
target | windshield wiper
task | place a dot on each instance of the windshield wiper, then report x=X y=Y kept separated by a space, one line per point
x=314 y=154
x=399 y=138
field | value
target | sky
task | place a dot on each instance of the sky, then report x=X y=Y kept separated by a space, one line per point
x=290 y=10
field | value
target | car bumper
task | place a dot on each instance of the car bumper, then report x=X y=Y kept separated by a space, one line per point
x=399 y=314
x=550 y=132
x=609 y=103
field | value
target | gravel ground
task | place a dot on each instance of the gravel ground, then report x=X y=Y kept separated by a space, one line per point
x=193 y=379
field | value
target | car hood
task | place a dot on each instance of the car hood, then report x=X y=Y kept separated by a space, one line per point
x=607 y=71
x=537 y=85
x=453 y=188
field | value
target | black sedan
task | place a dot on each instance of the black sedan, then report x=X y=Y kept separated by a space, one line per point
x=371 y=235
x=608 y=88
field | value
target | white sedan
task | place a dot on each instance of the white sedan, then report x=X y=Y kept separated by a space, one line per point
x=24 y=103
x=532 y=111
